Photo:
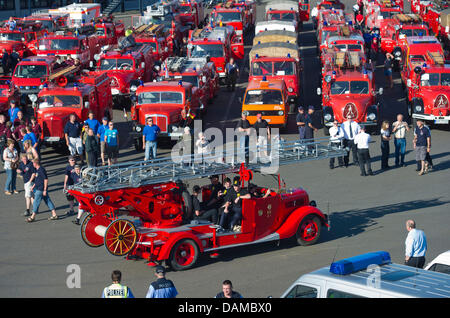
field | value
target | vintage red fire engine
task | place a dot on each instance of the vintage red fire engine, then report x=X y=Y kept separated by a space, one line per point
x=192 y=12
x=433 y=14
x=155 y=36
x=218 y=43
x=304 y=12
x=283 y=11
x=200 y=72
x=8 y=92
x=348 y=90
x=21 y=40
x=249 y=8
x=427 y=80
x=108 y=31
x=59 y=98
x=126 y=66
x=164 y=101
x=278 y=60
x=380 y=15
x=160 y=205
x=31 y=72
x=45 y=22
x=330 y=4
x=345 y=42
x=236 y=16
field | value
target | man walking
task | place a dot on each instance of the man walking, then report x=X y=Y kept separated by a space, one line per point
x=399 y=129
x=149 y=139
x=101 y=135
x=112 y=143
x=40 y=189
x=116 y=290
x=26 y=170
x=231 y=73
x=301 y=122
x=336 y=135
x=72 y=132
x=422 y=144
x=243 y=131
x=350 y=130
x=362 y=143
x=162 y=287
x=263 y=134
x=415 y=246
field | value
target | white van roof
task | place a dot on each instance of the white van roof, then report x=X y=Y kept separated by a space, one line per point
x=395 y=280
x=274 y=25
x=443 y=258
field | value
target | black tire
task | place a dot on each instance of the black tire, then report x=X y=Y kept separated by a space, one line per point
x=307 y=222
x=175 y=261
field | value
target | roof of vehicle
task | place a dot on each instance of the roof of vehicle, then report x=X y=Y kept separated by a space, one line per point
x=281 y=6
x=166 y=85
x=270 y=83
x=421 y=40
x=350 y=75
x=38 y=59
x=275 y=49
x=443 y=258
x=352 y=37
x=395 y=280
x=274 y=25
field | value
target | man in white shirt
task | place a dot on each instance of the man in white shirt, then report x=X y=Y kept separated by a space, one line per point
x=399 y=129
x=336 y=136
x=362 y=143
x=415 y=245
x=350 y=129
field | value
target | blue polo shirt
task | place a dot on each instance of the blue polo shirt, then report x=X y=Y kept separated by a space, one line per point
x=94 y=124
x=30 y=136
x=111 y=137
x=101 y=131
x=41 y=176
x=75 y=177
x=73 y=130
x=422 y=135
x=151 y=132
x=26 y=170
x=12 y=113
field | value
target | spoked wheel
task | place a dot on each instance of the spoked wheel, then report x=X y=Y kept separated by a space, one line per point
x=183 y=255
x=308 y=231
x=92 y=228
x=120 y=237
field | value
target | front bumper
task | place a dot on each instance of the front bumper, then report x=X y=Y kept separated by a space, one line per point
x=440 y=120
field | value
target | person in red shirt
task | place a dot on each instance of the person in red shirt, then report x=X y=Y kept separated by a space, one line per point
x=360 y=20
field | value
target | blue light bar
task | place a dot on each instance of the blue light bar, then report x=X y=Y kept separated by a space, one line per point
x=360 y=262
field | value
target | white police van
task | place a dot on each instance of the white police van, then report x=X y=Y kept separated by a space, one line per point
x=370 y=275
x=440 y=264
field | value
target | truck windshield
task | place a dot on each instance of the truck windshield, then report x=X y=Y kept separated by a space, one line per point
x=30 y=71
x=45 y=24
x=413 y=32
x=288 y=16
x=283 y=68
x=11 y=36
x=116 y=64
x=435 y=79
x=348 y=47
x=262 y=68
x=339 y=88
x=58 y=44
x=228 y=16
x=160 y=98
x=186 y=9
x=359 y=87
x=59 y=101
x=100 y=31
x=263 y=97
x=190 y=79
x=213 y=50
x=354 y=87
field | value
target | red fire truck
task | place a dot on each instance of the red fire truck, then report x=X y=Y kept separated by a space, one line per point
x=235 y=16
x=46 y=22
x=155 y=36
x=31 y=72
x=283 y=11
x=427 y=80
x=164 y=101
x=348 y=89
x=381 y=15
x=57 y=101
x=192 y=12
x=8 y=92
x=346 y=42
x=124 y=67
x=218 y=43
x=278 y=60
x=22 y=41
x=162 y=204
x=304 y=10
x=249 y=7
x=200 y=72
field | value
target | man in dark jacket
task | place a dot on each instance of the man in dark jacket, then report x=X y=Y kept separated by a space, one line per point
x=91 y=147
x=227 y=291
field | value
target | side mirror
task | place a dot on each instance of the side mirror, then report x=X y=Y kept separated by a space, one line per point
x=86 y=104
x=319 y=91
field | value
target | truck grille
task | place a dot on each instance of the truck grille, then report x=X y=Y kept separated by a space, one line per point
x=159 y=120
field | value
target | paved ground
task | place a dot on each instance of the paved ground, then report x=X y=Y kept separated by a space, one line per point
x=367 y=214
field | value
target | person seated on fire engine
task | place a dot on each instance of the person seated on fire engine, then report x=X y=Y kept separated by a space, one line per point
x=232 y=213
x=201 y=212
x=214 y=188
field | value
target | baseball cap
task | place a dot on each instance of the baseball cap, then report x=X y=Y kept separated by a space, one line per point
x=300 y=108
x=160 y=269
x=311 y=107
x=105 y=118
x=214 y=176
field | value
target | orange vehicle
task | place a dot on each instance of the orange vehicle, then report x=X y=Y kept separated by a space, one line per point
x=56 y=102
x=270 y=98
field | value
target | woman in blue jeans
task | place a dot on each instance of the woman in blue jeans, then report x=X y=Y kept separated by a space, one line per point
x=10 y=157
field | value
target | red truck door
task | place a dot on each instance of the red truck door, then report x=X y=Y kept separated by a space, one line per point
x=237 y=47
x=265 y=214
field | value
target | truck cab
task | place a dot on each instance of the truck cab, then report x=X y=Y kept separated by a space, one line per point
x=55 y=103
x=381 y=17
x=229 y=14
x=125 y=66
x=278 y=60
x=268 y=96
x=283 y=11
x=192 y=12
x=17 y=39
x=31 y=72
x=163 y=101
x=156 y=36
x=348 y=90
x=200 y=72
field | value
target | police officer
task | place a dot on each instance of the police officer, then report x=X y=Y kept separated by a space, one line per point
x=232 y=73
x=301 y=122
x=116 y=290
x=162 y=287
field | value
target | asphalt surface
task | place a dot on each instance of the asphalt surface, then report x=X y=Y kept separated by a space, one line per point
x=367 y=214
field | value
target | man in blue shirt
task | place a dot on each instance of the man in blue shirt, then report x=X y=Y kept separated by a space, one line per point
x=12 y=111
x=26 y=170
x=162 y=287
x=149 y=139
x=101 y=135
x=112 y=143
x=422 y=144
x=415 y=246
x=30 y=136
x=92 y=122
x=72 y=132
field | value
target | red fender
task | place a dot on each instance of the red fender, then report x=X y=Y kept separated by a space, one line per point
x=164 y=253
x=291 y=224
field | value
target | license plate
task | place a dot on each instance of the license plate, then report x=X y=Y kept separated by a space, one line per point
x=176 y=134
x=52 y=139
x=114 y=91
x=441 y=121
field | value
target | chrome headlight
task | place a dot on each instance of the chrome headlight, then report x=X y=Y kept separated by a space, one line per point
x=397 y=53
x=280 y=113
x=33 y=97
x=371 y=116
x=133 y=88
x=327 y=117
x=290 y=89
x=418 y=108
x=138 y=128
